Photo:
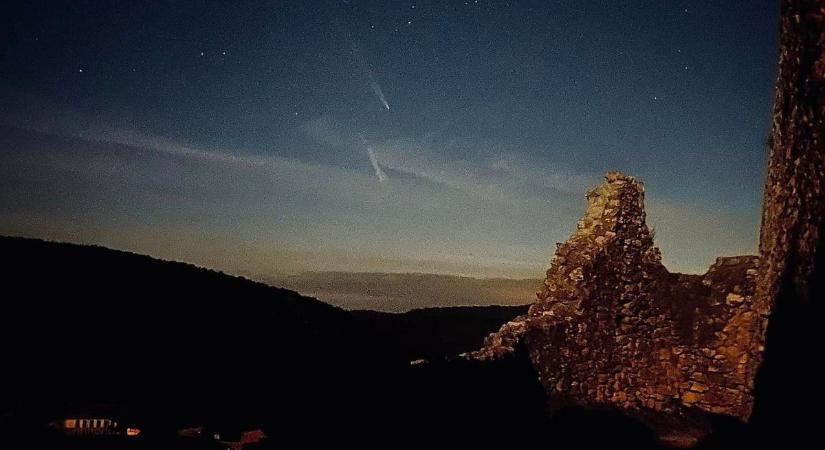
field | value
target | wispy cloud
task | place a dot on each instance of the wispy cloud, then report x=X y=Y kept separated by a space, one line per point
x=134 y=180
x=382 y=177
x=461 y=203
x=491 y=172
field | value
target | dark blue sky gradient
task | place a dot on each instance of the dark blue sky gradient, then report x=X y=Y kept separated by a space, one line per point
x=677 y=93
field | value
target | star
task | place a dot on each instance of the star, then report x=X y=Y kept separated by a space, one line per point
x=201 y=53
x=79 y=70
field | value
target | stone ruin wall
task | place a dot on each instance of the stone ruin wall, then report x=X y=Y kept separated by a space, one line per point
x=612 y=327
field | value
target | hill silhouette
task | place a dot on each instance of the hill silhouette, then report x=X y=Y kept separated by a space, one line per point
x=86 y=325
x=165 y=345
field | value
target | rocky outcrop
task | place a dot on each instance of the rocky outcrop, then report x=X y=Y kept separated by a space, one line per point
x=612 y=327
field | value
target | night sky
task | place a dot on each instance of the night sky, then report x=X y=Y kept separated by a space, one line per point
x=417 y=136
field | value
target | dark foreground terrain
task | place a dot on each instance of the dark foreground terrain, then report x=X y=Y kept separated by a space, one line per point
x=164 y=346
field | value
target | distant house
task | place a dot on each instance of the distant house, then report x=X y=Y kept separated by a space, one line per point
x=94 y=426
x=90 y=427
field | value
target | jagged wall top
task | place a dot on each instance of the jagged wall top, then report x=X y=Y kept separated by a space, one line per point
x=613 y=223
x=612 y=326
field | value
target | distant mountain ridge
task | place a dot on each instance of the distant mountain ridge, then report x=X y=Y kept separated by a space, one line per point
x=401 y=292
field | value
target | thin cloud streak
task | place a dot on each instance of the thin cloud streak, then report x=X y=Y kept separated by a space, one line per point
x=382 y=177
x=511 y=207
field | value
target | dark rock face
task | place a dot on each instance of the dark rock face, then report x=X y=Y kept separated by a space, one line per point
x=612 y=327
x=793 y=211
x=792 y=240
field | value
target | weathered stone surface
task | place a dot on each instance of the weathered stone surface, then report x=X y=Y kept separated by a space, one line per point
x=612 y=327
x=791 y=280
x=716 y=355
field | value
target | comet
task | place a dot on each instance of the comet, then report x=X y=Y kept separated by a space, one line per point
x=380 y=94
x=365 y=66
x=360 y=60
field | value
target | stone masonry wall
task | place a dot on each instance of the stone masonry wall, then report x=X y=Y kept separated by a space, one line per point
x=612 y=327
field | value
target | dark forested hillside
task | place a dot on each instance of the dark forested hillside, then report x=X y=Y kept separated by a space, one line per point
x=166 y=345
x=434 y=333
x=87 y=325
